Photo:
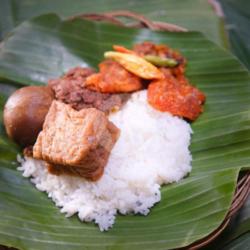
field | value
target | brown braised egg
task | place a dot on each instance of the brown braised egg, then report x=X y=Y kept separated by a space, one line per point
x=24 y=113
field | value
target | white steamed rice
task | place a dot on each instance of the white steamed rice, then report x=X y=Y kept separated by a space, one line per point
x=152 y=150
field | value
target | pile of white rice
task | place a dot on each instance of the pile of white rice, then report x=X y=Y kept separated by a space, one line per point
x=152 y=150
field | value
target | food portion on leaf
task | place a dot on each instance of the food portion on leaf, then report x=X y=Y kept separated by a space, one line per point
x=173 y=93
x=152 y=150
x=162 y=67
x=117 y=134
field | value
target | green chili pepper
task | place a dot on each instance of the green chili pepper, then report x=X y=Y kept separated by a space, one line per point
x=160 y=61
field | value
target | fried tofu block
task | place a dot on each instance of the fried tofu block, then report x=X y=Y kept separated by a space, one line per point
x=75 y=142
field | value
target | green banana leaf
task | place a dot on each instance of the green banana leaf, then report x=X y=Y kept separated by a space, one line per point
x=193 y=14
x=46 y=47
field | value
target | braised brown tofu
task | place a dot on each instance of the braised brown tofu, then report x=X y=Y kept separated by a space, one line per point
x=75 y=142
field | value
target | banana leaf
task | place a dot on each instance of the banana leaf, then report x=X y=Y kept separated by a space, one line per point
x=46 y=47
x=193 y=14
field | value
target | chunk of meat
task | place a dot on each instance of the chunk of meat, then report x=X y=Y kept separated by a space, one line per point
x=177 y=97
x=94 y=159
x=75 y=142
x=70 y=89
x=94 y=162
x=113 y=78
